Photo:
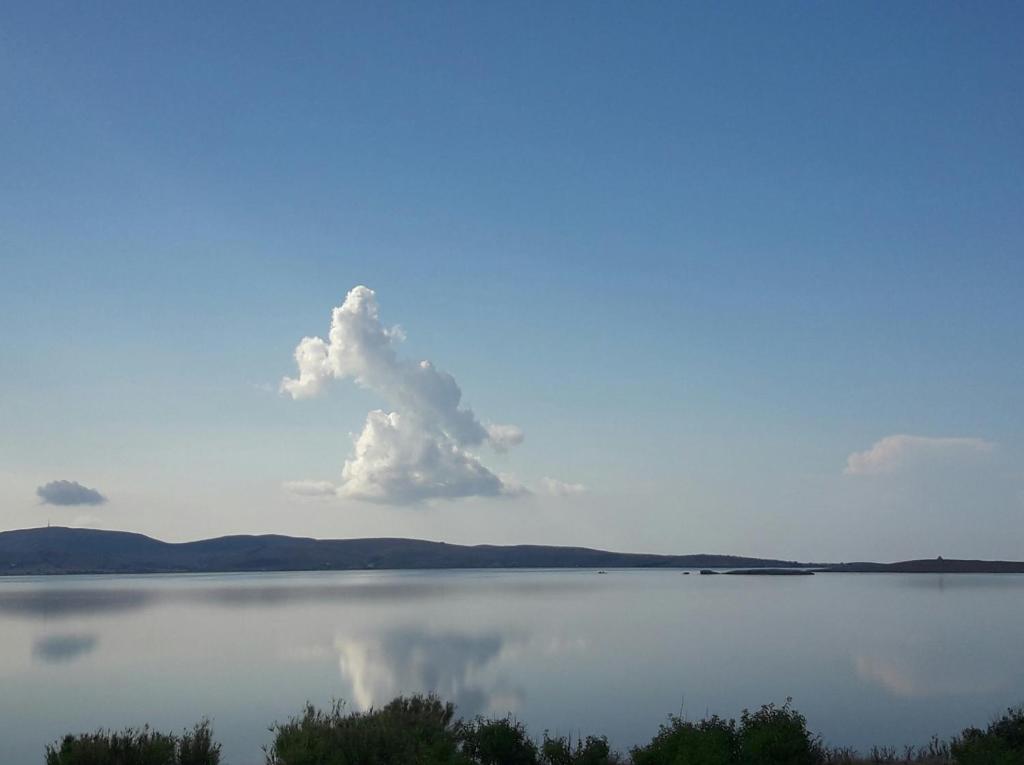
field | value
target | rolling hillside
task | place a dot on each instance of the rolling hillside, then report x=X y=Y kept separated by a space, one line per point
x=58 y=550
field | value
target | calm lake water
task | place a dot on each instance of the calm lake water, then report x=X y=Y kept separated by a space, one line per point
x=869 y=658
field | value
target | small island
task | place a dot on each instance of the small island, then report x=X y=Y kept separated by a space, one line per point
x=760 y=572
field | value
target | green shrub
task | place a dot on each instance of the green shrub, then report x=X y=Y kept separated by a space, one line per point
x=556 y=751
x=776 y=735
x=416 y=730
x=593 y=750
x=422 y=730
x=712 y=741
x=136 y=747
x=1002 y=743
x=197 y=747
x=497 y=742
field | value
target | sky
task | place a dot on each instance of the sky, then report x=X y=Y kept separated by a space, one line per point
x=673 y=277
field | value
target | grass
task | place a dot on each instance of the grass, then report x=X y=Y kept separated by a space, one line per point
x=423 y=730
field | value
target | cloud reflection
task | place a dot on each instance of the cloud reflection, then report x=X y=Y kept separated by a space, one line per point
x=55 y=649
x=458 y=667
x=47 y=604
x=357 y=586
x=100 y=599
x=922 y=676
x=251 y=595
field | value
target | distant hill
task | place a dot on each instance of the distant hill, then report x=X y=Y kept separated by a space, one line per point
x=58 y=550
x=932 y=566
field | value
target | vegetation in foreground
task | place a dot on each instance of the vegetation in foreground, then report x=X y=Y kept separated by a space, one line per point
x=141 y=746
x=423 y=730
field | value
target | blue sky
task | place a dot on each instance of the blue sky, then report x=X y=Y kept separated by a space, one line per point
x=700 y=254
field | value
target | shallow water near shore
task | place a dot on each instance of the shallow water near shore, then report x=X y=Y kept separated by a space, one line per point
x=868 y=658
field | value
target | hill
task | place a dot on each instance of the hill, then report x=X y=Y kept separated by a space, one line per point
x=59 y=550
x=932 y=566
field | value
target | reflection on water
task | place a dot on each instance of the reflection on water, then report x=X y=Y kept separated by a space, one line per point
x=95 y=597
x=927 y=674
x=243 y=593
x=257 y=596
x=869 y=659
x=46 y=603
x=60 y=648
x=407 y=660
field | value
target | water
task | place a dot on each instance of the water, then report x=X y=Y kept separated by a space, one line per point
x=869 y=658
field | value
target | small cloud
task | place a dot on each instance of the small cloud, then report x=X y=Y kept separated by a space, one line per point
x=894 y=453
x=264 y=387
x=557 y=488
x=513 y=487
x=501 y=437
x=310 y=488
x=69 y=493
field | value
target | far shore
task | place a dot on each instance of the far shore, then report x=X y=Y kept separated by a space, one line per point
x=62 y=550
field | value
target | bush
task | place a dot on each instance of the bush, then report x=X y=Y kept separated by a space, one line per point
x=777 y=736
x=422 y=730
x=593 y=750
x=416 y=730
x=197 y=747
x=712 y=741
x=136 y=747
x=1002 y=743
x=497 y=742
x=773 y=735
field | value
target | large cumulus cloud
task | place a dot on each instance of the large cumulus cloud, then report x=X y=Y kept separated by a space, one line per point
x=420 y=449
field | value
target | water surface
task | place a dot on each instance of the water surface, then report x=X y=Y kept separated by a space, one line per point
x=869 y=658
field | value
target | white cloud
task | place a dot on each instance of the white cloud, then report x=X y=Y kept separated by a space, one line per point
x=310 y=488
x=417 y=451
x=558 y=488
x=397 y=460
x=512 y=486
x=504 y=436
x=894 y=453
x=69 y=493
